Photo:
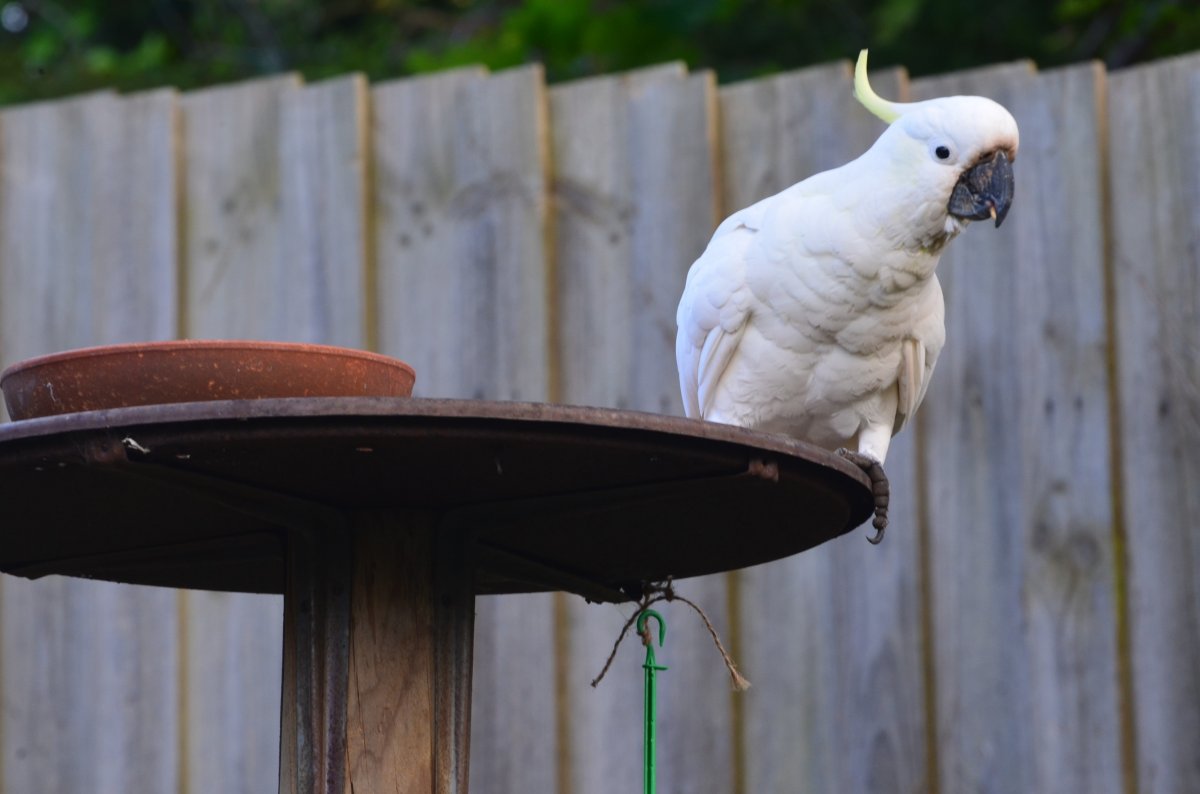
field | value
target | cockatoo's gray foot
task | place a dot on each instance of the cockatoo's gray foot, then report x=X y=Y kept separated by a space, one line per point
x=879 y=488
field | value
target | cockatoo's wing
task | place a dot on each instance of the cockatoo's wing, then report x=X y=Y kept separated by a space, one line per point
x=718 y=301
x=712 y=317
x=912 y=381
x=750 y=218
x=918 y=355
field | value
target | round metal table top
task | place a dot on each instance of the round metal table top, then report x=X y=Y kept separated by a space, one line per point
x=548 y=497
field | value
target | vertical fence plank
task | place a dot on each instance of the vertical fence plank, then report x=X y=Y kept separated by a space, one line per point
x=232 y=206
x=276 y=249
x=231 y=215
x=321 y=272
x=831 y=638
x=460 y=232
x=675 y=125
x=136 y=244
x=1154 y=183
x=420 y=274
x=635 y=182
x=1066 y=520
x=460 y=169
x=87 y=256
x=1017 y=443
x=49 y=170
x=595 y=160
x=970 y=430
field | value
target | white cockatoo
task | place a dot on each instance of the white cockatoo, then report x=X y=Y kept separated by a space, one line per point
x=816 y=312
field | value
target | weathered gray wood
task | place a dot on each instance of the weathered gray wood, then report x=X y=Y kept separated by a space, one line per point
x=414 y=124
x=88 y=190
x=321 y=272
x=322 y=728
x=1069 y=593
x=390 y=736
x=1154 y=184
x=831 y=638
x=399 y=635
x=676 y=126
x=87 y=240
x=135 y=226
x=453 y=662
x=596 y=158
x=1016 y=434
x=634 y=163
x=460 y=223
x=232 y=657
x=232 y=207
x=50 y=163
x=234 y=287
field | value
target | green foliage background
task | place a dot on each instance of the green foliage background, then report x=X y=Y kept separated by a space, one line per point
x=54 y=47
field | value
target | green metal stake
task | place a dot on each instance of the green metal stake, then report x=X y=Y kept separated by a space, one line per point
x=651 y=666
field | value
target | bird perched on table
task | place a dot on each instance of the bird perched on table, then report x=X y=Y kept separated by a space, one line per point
x=816 y=312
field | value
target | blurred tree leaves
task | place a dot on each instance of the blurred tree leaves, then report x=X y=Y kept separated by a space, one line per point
x=56 y=47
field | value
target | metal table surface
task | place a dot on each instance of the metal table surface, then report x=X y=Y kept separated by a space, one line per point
x=549 y=497
x=380 y=520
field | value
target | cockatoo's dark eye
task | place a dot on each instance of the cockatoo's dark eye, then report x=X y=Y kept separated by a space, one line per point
x=942 y=152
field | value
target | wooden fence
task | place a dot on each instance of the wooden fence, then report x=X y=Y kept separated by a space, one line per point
x=1031 y=623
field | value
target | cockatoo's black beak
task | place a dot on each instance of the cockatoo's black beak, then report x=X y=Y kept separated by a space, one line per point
x=985 y=191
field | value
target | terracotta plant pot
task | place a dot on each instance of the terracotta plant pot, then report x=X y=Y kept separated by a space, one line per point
x=192 y=370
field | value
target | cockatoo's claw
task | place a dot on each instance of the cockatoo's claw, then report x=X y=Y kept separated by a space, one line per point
x=879 y=489
x=880 y=523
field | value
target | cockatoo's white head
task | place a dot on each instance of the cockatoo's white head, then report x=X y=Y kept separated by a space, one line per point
x=957 y=149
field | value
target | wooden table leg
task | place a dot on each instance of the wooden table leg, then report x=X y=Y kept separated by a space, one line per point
x=316 y=642
x=378 y=634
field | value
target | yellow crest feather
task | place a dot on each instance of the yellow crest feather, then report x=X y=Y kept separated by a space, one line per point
x=888 y=111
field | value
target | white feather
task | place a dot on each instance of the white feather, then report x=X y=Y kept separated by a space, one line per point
x=816 y=312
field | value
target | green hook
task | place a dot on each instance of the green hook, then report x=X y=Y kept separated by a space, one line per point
x=651 y=667
x=662 y=624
